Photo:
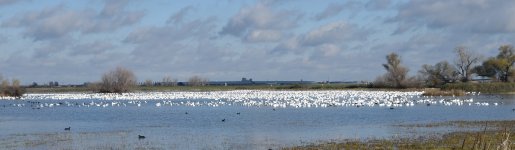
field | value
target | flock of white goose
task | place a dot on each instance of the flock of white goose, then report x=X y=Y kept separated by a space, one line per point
x=250 y=98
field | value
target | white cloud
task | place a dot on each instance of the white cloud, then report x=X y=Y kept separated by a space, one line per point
x=464 y=16
x=264 y=36
x=58 y=21
x=330 y=11
x=335 y=32
x=260 y=22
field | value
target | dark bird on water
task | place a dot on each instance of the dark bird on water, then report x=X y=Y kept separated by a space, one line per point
x=186 y=113
x=223 y=120
x=67 y=129
x=141 y=137
x=392 y=108
x=238 y=113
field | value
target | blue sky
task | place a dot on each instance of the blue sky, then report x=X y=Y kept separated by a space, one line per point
x=76 y=41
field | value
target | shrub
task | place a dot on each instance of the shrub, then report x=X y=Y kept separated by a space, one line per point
x=117 y=81
x=13 y=90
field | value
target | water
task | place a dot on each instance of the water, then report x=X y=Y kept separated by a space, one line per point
x=24 y=124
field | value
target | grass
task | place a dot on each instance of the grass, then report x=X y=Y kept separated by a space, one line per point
x=57 y=89
x=491 y=135
x=439 y=92
x=450 y=141
x=497 y=87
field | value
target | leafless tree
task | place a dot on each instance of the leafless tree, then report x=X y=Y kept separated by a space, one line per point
x=465 y=62
x=197 y=81
x=14 y=89
x=148 y=82
x=118 y=80
x=4 y=87
x=396 y=73
x=168 y=81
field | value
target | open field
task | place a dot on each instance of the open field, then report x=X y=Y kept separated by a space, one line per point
x=203 y=88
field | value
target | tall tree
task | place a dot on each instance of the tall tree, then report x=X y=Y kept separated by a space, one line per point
x=505 y=61
x=396 y=73
x=465 y=62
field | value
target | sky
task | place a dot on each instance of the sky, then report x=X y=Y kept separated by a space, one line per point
x=73 y=41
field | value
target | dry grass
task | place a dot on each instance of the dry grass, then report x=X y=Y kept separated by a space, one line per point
x=492 y=135
x=438 y=92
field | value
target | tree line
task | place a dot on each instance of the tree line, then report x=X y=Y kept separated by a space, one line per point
x=466 y=64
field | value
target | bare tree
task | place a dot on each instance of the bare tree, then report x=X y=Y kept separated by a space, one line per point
x=148 y=82
x=14 y=89
x=396 y=73
x=4 y=87
x=197 y=81
x=168 y=81
x=465 y=62
x=117 y=81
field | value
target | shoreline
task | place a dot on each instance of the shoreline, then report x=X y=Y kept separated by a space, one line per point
x=491 y=134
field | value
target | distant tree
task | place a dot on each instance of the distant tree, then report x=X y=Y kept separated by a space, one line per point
x=16 y=83
x=487 y=69
x=14 y=89
x=168 y=81
x=1 y=84
x=148 y=82
x=197 y=81
x=439 y=74
x=465 y=63
x=34 y=84
x=396 y=73
x=501 y=66
x=4 y=87
x=504 y=62
x=118 y=80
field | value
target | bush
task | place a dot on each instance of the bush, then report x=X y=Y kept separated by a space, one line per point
x=13 y=90
x=117 y=81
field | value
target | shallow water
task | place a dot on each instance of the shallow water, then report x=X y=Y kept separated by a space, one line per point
x=27 y=125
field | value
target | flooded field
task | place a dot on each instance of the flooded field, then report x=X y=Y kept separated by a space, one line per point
x=229 y=119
